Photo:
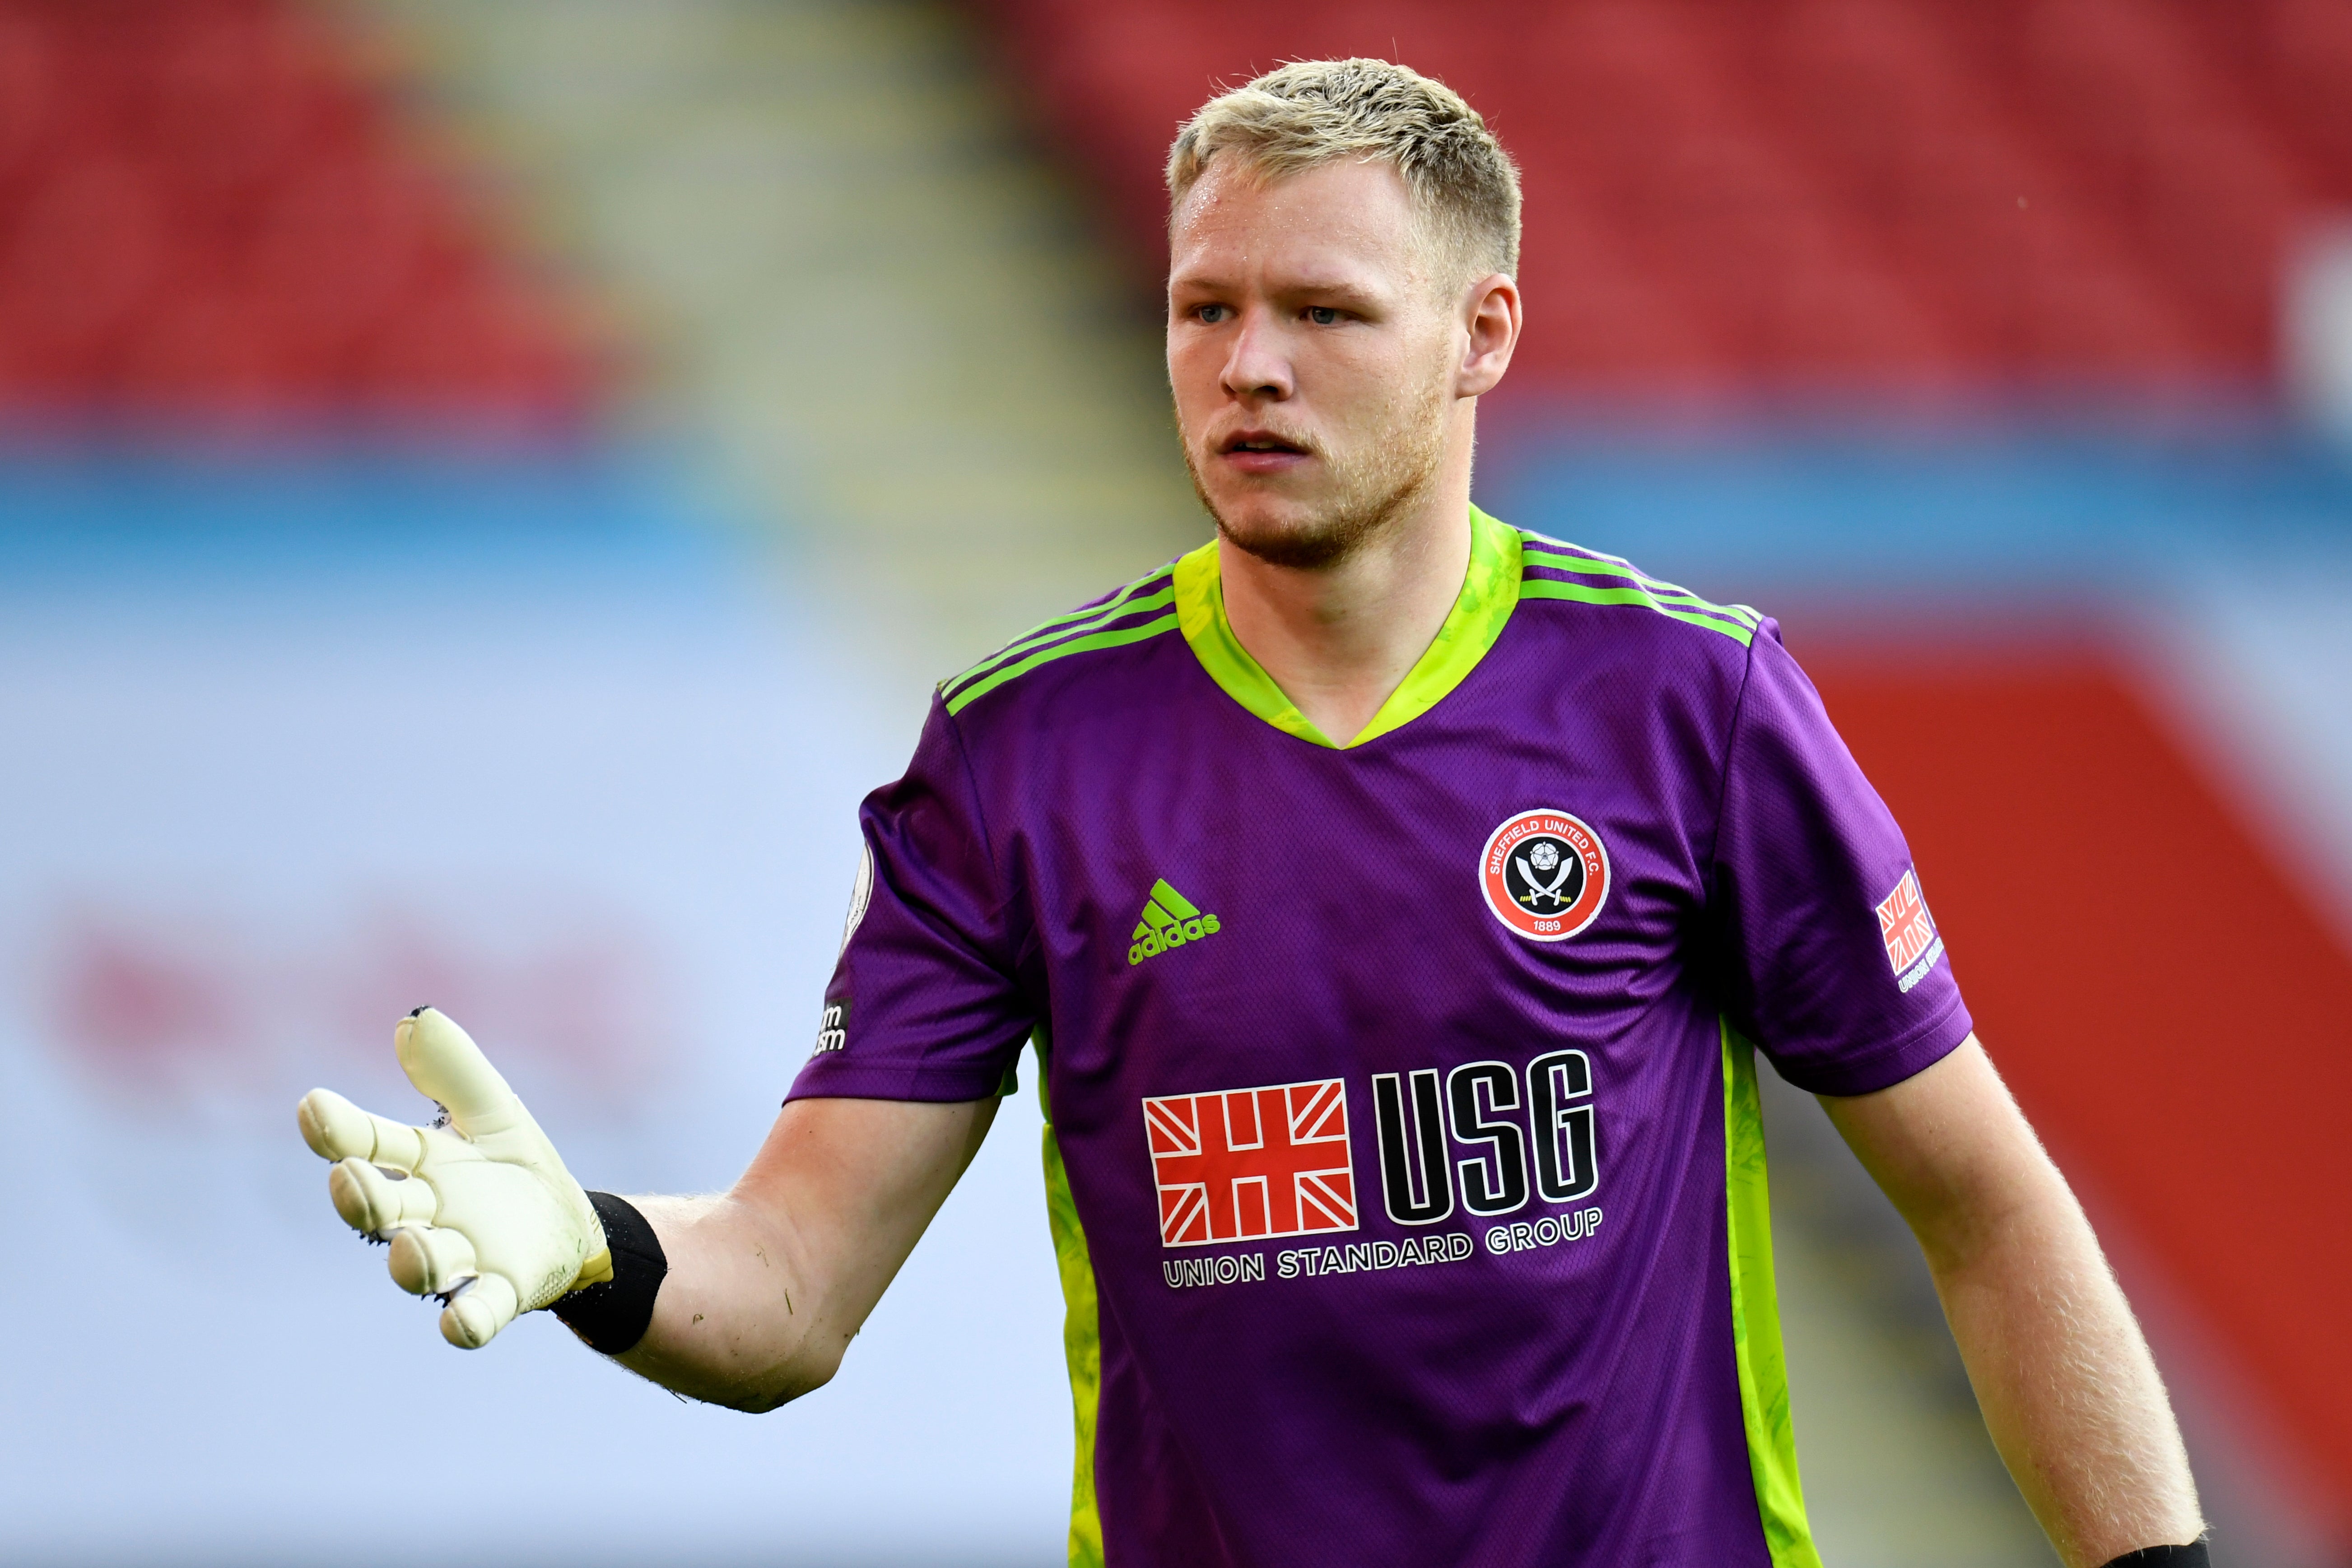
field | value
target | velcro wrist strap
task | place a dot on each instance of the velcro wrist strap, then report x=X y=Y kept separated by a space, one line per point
x=2192 y=1555
x=612 y=1316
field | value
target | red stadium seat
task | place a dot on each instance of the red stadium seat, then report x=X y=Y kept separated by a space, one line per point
x=2305 y=54
x=1924 y=190
x=88 y=251
x=201 y=208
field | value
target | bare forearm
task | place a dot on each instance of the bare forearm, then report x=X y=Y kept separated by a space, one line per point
x=2068 y=1389
x=739 y=1319
x=766 y=1285
x=2061 y=1370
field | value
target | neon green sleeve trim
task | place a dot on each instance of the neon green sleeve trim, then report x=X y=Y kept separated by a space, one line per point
x=1081 y=1341
x=1669 y=593
x=1756 y=1315
x=1490 y=590
x=1124 y=603
x=1586 y=593
x=1120 y=638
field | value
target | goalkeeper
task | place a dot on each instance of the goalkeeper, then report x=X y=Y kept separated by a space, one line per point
x=1393 y=896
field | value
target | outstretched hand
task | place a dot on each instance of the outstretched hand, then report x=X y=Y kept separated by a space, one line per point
x=477 y=1207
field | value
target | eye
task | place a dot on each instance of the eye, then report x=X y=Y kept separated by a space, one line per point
x=1323 y=315
x=1211 y=314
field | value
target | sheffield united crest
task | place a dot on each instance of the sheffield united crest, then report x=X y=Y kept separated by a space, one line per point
x=1545 y=875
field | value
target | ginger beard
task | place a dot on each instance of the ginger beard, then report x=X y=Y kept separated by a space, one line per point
x=1388 y=470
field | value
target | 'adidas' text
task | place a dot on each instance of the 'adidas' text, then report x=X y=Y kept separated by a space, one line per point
x=1169 y=920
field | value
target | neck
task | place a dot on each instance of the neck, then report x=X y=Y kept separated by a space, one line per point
x=1338 y=639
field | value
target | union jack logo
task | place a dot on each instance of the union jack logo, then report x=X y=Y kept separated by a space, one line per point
x=1248 y=1163
x=1902 y=921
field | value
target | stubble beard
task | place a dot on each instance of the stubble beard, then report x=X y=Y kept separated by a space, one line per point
x=1368 y=496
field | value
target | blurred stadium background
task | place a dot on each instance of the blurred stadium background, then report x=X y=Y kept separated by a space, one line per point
x=485 y=484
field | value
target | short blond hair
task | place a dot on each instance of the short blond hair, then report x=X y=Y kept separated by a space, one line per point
x=1312 y=112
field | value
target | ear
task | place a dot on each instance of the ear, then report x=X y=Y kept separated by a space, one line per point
x=1490 y=315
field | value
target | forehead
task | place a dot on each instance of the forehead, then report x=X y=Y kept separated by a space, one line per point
x=1346 y=220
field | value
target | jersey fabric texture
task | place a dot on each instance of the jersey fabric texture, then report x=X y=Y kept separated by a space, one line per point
x=1404 y=1151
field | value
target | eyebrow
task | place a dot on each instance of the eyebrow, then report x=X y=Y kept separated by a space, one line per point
x=1332 y=289
x=1343 y=293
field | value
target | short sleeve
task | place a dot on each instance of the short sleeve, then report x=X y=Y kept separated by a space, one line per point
x=923 y=1002
x=1832 y=962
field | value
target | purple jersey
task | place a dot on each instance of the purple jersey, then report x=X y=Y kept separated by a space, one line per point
x=1404 y=1149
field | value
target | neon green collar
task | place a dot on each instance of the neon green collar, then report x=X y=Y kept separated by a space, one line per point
x=1489 y=591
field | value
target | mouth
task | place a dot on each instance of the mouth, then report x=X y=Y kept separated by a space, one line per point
x=1261 y=452
x=1259 y=441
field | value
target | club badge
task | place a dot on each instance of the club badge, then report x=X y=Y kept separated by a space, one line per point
x=1545 y=875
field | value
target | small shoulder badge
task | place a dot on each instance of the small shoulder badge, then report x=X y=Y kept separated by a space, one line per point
x=1545 y=874
x=1909 y=932
x=832 y=1028
x=861 y=893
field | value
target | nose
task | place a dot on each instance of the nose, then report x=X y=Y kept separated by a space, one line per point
x=1258 y=367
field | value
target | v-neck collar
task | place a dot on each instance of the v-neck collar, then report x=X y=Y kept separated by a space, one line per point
x=1490 y=589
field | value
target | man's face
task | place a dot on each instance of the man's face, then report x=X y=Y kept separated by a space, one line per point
x=1312 y=357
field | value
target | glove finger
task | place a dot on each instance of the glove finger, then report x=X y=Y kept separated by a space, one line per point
x=372 y=1203
x=337 y=1130
x=430 y=1260
x=442 y=1060
x=478 y=1312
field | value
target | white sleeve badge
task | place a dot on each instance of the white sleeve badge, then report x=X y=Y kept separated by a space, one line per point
x=861 y=893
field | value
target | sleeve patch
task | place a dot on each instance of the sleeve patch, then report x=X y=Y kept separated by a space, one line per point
x=861 y=893
x=1908 y=931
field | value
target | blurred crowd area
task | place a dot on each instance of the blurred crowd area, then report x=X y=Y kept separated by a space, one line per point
x=484 y=486
x=1928 y=192
x=207 y=200
x=209 y=207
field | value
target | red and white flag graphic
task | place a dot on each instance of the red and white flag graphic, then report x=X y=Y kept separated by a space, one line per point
x=1902 y=921
x=1252 y=1163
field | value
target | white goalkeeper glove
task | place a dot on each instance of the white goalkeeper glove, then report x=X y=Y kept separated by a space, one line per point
x=478 y=1208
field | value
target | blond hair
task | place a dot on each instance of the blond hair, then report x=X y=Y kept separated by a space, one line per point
x=1312 y=112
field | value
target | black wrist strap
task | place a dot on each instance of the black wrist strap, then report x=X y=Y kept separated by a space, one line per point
x=2192 y=1555
x=612 y=1316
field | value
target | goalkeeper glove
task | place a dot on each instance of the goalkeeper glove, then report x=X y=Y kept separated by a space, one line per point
x=477 y=1207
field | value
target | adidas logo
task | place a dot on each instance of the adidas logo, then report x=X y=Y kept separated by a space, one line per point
x=1169 y=921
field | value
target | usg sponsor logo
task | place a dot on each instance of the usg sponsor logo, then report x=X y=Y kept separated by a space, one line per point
x=1483 y=1139
x=1545 y=875
x=1525 y=1236
x=1538 y=1144
x=1246 y=1163
x=1358 y=1257
x=1183 y=1273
